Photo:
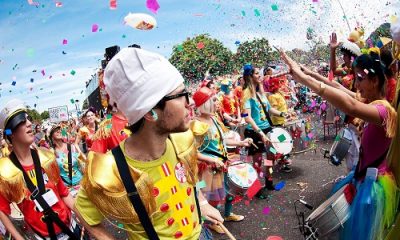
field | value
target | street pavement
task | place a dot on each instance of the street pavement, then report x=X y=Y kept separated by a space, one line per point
x=275 y=216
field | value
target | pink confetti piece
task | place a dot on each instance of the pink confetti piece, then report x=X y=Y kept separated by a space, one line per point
x=65 y=41
x=366 y=71
x=266 y=210
x=31 y=2
x=95 y=27
x=113 y=4
x=315 y=1
x=152 y=5
x=43 y=73
x=59 y=4
x=310 y=135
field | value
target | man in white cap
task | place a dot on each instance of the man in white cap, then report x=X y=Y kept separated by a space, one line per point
x=31 y=179
x=147 y=183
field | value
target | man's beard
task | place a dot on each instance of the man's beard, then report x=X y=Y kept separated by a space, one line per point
x=165 y=126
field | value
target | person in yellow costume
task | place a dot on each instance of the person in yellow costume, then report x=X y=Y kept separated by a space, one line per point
x=158 y=160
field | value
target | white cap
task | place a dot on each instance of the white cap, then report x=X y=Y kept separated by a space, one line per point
x=136 y=80
x=11 y=108
x=352 y=47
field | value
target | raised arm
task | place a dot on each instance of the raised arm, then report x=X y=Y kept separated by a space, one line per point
x=336 y=97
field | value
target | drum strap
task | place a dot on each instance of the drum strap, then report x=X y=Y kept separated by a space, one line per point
x=225 y=158
x=265 y=110
x=221 y=139
x=69 y=162
x=361 y=173
x=133 y=194
x=49 y=216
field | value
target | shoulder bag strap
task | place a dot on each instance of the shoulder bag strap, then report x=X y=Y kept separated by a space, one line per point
x=133 y=194
x=69 y=163
x=265 y=111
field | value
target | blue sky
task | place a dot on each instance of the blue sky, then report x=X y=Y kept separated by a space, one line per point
x=31 y=36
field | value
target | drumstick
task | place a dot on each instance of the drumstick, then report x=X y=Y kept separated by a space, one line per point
x=229 y=234
x=254 y=145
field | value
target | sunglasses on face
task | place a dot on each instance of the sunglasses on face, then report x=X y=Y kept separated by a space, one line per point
x=185 y=94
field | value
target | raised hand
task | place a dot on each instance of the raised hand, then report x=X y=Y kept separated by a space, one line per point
x=333 y=43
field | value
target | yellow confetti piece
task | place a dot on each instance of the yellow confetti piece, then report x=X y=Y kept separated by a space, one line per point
x=393 y=19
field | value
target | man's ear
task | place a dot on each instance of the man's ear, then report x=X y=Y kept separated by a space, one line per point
x=151 y=116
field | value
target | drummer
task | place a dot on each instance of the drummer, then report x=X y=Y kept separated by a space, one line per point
x=256 y=110
x=377 y=133
x=213 y=154
x=277 y=101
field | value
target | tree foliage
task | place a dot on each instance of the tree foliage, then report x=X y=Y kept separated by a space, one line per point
x=36 y=117
x=195 y=56
x=257 y=52
x=45 y=115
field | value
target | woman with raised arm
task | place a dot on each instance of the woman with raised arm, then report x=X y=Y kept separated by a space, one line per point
x=368 y=219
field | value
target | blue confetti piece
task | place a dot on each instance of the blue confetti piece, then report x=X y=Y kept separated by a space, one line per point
x=280 y=185
x=14 y=83
x=8 y=132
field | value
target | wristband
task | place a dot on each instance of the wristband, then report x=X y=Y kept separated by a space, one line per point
x=259 y=130
x=202 y=203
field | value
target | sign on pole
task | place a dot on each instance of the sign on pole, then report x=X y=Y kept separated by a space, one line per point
x=58 y=114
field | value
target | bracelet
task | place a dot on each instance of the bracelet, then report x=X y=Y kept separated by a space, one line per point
x=322 y=88
x=259 y=130
x=202 y=203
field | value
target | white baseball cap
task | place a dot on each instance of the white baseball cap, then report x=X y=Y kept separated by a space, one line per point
x=136 y=80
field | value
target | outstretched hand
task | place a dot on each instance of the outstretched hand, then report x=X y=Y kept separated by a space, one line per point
x=294 y=68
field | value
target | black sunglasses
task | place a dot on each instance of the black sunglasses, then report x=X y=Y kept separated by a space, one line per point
x=185 y=93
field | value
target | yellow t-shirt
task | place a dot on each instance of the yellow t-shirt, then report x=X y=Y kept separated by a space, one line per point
x=176 y=215
x=278 y=102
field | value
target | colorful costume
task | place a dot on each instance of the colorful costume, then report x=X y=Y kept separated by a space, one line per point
x=13 y=189
x=375 y=204
x=278 y=102
x=87 y=135
x=165 y=186
x=110 y=133
x=77 y=171
x=211 y=144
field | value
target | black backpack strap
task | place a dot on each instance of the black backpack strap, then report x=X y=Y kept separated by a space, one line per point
x=69 y=162
x=133 y=194
x=49 y=216
x=265 y=111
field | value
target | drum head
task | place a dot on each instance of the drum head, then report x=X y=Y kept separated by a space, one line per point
x=243 y=175
x=281 y=140
x=232 y=135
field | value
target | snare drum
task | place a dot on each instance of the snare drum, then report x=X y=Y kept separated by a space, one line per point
x=281 y=140
x=240 y=177
x=332 y=214
x=297 y=130
x=341 y=146
x=231 y=135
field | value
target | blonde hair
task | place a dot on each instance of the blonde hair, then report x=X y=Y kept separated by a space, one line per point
x=208 y=107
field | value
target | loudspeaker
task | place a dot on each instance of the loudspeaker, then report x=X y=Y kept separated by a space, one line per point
x=111 y=51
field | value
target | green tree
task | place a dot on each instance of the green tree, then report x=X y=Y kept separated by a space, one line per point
x=257 y=52
x=45 y=114
x=196 y=56
x=34 y=115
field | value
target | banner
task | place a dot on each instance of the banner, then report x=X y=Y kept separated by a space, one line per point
x=58 y=114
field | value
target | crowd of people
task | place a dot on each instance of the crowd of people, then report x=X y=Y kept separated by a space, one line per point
x=161 y=161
